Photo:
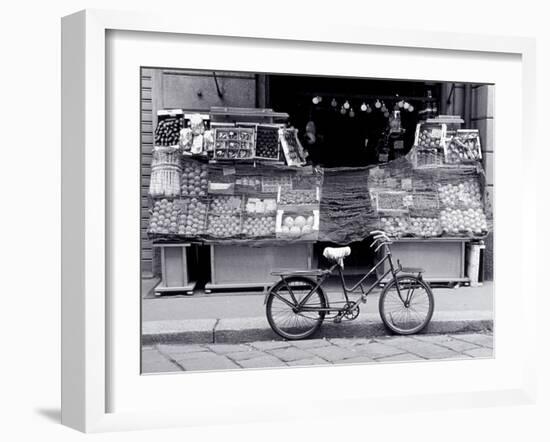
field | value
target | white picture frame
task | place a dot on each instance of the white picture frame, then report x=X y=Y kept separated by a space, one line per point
x=87 y=314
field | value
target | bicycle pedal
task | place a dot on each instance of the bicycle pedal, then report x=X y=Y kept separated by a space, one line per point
x=363 y=299
x=338 y=320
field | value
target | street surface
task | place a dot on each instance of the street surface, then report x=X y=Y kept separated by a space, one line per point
x=265 y=354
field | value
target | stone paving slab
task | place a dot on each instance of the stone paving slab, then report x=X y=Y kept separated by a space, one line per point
x=266 y=361
x=480 y=339
x=448 y=342
x=481 y=352
x=154 y=362
x=243 y=355
x=310 y=361
x=333 y=353
x=290 y=354
x=377 y=350
x=272 y=354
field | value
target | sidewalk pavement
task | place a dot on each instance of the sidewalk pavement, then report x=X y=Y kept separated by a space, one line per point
x=161 y=358
x=238 y=317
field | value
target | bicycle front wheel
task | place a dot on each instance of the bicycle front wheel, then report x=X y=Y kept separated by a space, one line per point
x=283 y=315
x=406 y=305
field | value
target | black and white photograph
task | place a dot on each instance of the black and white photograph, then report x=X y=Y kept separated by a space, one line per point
x=299 y=220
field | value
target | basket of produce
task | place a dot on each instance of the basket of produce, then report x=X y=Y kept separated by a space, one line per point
x=424 y=227
x=292 y=148
x=224 y=225
x=167 y=132
x=298 y=197
x=463 y=147
x=259 y=226
x=194 y=178
x=430 y=136
x=234 y=143
x=164 y=217
x=225 y=205
x=466 y=195
x=192 y=221
x=297 y=224
x=394 y=226
x=267 y=142
x=463 y=222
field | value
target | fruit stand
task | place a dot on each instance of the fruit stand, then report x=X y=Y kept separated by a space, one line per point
x=237 y=181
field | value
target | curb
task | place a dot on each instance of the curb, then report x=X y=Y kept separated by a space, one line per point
x=239 y=330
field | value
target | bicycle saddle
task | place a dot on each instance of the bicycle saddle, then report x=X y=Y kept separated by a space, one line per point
x=336 y=254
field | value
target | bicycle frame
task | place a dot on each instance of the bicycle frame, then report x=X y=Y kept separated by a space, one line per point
x=299 y=306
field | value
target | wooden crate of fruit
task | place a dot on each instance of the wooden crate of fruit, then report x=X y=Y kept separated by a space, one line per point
x=298 y=197
x=430 y=136
x=259 y=226
x=267 y=142
x=169 y=125
x=424 y=226
x=297 y=224
x=292 y=148
x=224 y=218
x=194 y=178
x=394 y=226
x=236 y=143
x=463 y=147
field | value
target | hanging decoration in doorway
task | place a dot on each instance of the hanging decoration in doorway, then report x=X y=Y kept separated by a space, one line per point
x=346 y=105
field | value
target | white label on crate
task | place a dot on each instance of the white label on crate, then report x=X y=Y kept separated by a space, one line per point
x=229 y=171
x=406 y=184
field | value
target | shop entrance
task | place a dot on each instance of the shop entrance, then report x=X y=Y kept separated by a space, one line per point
x=345 y=132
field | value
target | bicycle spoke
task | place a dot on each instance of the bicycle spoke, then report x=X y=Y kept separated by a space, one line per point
x=409 y=313
x=283 y=304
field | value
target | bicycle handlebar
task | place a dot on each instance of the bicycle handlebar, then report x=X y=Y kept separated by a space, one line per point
x=385 y=243
x=379 y=237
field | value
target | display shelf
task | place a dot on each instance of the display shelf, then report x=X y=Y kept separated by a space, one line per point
x=188 y=289
x=174 y=269
x=247 y=112
x=443 y=259
x=243 y=267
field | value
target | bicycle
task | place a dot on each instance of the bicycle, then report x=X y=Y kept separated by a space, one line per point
x=297 y=305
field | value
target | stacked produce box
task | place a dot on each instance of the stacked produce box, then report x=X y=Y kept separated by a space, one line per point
x=429 y=198
x=218 y=198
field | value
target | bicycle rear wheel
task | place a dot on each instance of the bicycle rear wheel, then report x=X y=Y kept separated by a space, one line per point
x=282 y=315
x=412 y=311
